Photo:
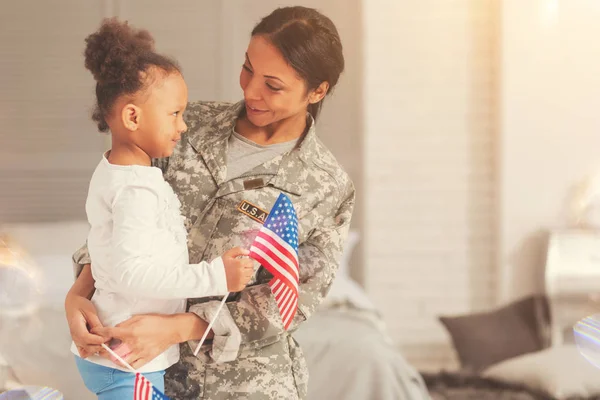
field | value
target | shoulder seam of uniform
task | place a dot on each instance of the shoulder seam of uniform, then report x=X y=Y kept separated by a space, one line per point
x=338 y=180
x=335 y=179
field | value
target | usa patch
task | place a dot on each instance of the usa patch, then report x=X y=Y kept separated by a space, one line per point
x=254 y=212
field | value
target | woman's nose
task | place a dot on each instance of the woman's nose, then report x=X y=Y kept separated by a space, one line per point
x=252 y=90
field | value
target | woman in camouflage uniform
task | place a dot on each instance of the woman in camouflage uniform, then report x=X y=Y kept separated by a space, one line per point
x=228 y=170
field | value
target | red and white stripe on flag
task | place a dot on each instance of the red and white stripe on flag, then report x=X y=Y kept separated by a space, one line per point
x=142 y=389
x=281 y=259
x=276 y=248
x=287 y=300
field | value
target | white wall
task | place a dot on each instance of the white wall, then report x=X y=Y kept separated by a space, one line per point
x=481 y=117
x=550 y=126
x=430 y=89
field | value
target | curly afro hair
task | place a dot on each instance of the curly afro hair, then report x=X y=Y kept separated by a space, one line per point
x=118 y=56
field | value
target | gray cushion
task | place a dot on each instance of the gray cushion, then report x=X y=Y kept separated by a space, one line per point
x=485 y=338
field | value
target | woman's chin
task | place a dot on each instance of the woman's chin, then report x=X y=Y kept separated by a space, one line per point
x=259 y=120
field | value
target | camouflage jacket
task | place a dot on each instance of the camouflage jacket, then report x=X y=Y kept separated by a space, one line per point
x=251 y=355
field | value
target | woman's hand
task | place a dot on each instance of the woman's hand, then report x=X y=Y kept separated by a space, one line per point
x=81 y=315
x=143 y=337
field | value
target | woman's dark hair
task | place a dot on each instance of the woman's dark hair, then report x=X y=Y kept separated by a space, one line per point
x=118 y=55
x=309 y=42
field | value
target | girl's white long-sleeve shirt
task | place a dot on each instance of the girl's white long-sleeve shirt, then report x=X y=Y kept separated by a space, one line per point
x=138 y=246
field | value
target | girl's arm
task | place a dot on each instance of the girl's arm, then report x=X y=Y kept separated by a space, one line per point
x=146 y=260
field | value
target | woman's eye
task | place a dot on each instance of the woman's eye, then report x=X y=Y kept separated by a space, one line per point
x=273 y=88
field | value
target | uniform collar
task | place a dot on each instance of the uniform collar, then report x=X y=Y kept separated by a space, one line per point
x=211 y=139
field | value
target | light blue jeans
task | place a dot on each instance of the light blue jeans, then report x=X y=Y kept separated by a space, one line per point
x=113 y=384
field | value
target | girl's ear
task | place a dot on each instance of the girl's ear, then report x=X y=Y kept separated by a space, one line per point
x=130 y=116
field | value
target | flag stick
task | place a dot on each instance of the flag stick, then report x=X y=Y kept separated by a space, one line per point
x=115 y=355
x=210 y=325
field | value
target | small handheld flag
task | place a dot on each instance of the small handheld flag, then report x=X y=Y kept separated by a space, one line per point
x=276 y=248
x=143 y=388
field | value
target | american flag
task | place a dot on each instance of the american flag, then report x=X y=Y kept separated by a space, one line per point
x=276 y=248
x=143 y=390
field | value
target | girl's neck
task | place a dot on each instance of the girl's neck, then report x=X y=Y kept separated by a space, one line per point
x=279 y=132
x=122 y=154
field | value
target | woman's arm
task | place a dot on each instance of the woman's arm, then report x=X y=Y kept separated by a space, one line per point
x=82 y=316
x=84 y=284
x=189 y=326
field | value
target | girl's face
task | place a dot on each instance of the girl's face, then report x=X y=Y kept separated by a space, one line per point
x=161 y=122
x=273 y=91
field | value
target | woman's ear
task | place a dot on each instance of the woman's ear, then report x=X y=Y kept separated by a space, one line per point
x=130 y=116
x=319 y=93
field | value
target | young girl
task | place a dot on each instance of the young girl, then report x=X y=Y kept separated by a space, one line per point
x=137 y=237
